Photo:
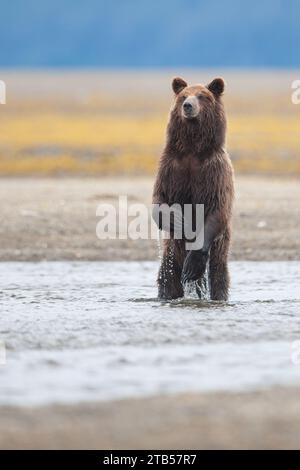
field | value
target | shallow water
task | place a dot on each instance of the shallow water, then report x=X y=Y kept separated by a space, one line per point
x=89 y=331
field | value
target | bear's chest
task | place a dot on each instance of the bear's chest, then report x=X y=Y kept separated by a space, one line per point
x=187 y=181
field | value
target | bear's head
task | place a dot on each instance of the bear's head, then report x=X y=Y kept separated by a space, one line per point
x=196 y=102
x=197 y=117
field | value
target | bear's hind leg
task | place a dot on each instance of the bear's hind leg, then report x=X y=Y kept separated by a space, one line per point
x=169 y=276
x=219 y=279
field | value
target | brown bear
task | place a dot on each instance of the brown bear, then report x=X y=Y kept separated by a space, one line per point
x=196 y=169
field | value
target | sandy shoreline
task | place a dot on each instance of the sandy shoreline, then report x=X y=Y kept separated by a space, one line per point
x=253 y=420
x=55 y=219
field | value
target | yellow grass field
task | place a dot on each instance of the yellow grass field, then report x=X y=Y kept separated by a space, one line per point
x=114 y=123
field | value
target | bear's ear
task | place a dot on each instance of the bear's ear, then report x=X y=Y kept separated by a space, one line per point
x=178 y=84
x=217 y=86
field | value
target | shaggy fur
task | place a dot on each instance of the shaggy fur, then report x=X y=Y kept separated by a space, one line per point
x=196 y=169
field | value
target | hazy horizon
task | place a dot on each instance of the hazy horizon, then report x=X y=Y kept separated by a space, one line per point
x=142 y=34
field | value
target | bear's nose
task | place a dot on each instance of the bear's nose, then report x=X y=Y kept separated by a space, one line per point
x=187 y=106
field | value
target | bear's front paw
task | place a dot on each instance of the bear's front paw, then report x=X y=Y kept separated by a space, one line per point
x=194 y=266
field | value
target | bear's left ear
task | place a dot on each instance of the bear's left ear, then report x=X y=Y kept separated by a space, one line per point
x=178 y=84
x=217 y=86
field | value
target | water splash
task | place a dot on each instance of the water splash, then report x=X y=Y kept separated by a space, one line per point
x=170 y=262
x=190 y=291
x=197 y=289
x=202 y=287
x=159 y=245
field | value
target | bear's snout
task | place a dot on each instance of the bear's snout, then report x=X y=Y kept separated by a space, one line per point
x=190 y=107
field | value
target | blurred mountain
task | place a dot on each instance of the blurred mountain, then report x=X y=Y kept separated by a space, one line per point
x=144 y=33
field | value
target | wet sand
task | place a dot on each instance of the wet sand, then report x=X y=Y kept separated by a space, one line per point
x=254 y=420
x=55 y=219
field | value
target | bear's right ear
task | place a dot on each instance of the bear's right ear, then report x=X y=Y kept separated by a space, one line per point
x=178 y=84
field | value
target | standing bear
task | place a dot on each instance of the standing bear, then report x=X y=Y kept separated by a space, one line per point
x=196 y=169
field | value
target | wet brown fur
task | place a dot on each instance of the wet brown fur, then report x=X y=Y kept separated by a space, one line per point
x=196 y=169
